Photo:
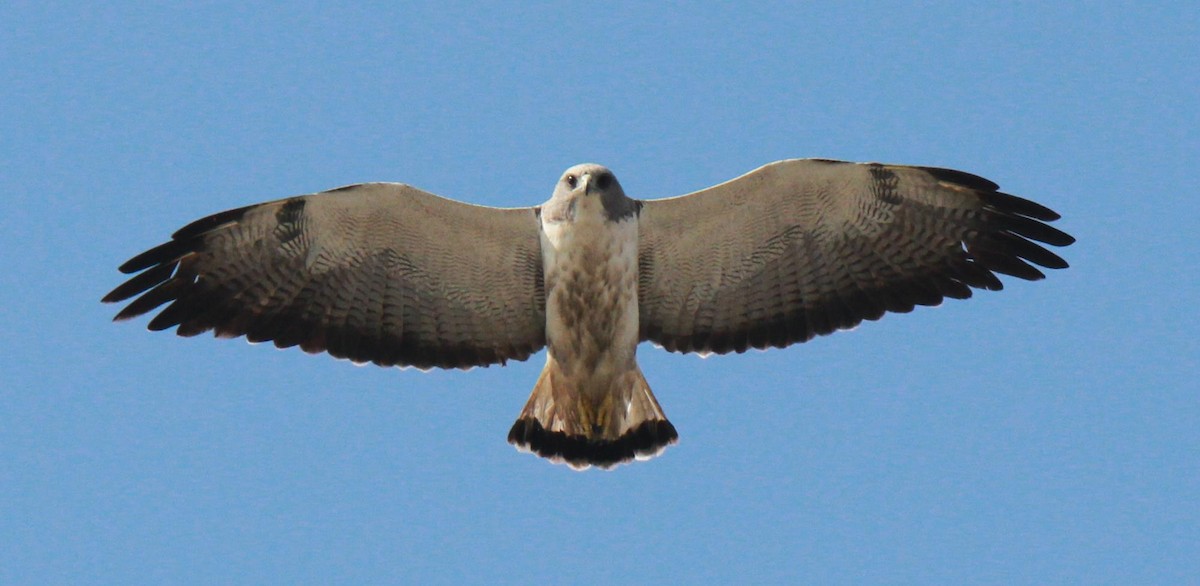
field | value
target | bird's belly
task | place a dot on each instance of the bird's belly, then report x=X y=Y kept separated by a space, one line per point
x=591 y=300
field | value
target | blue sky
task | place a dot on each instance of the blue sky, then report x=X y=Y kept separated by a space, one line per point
x=1046 y=433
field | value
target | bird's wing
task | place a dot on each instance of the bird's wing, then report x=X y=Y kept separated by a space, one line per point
x=378 y=272
x=801 y=248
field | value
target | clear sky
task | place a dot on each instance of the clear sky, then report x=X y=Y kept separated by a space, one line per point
x=1047 y=433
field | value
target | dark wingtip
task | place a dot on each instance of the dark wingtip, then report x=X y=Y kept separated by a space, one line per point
x=644 y=441
x=1019 y=205
x=139 y=284
x=163 y=253
x=210 y=223
x=961 y=177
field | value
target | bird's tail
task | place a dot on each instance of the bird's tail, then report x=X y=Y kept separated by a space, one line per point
x=566 y=425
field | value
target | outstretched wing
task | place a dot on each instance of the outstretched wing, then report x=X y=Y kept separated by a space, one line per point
x=378 y=272
x=802 y=248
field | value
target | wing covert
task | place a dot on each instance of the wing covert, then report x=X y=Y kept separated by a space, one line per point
x=377 y=272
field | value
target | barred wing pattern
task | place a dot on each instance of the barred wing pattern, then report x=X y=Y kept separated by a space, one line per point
x=377 y=272
x=805 y=247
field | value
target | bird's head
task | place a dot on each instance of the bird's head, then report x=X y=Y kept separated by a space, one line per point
x=591 y=190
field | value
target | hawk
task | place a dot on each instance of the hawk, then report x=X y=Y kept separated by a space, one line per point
x=389 y=274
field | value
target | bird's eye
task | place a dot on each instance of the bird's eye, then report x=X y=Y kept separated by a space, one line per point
x=603 y=181
x=571 y=181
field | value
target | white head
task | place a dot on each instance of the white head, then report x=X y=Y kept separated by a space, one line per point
x=589 y=189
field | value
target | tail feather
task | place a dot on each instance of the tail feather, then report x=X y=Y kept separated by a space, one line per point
x=565 y=425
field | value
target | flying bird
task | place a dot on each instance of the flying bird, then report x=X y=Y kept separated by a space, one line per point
x=389 y=274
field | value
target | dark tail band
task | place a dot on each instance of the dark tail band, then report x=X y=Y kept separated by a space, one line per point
x=646 y=440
